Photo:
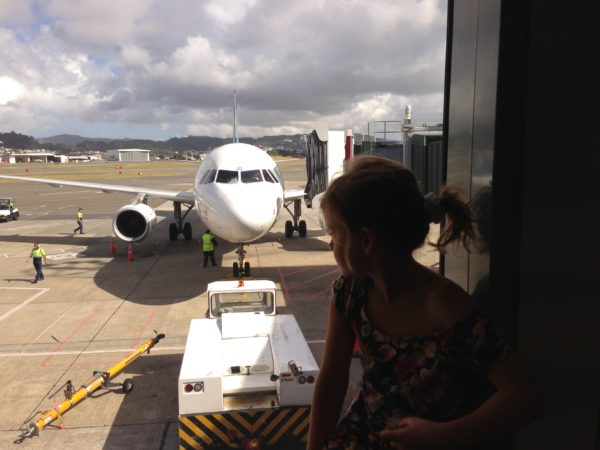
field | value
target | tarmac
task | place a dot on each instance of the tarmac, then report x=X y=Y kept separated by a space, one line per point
x=95 y=308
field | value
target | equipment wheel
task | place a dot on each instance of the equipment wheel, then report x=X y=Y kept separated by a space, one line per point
x=127 y=385
x=15 y=216
x=302 y=228
x=247 y=269
x=187 y=231
x=289 y=229
x=173 y=232
x=236 y=270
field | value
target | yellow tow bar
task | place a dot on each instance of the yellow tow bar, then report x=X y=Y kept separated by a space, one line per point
x=97 y=381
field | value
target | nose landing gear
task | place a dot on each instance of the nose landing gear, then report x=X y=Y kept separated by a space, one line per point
x=241 y=268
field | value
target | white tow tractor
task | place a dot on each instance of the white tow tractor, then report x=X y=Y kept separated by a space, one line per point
x=8 y=209
x=247 y=374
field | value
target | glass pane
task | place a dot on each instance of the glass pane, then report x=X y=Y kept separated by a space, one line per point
x=208 y=177
x=227 y=176
x=268 y=176
x=242 y=302
x=251 y=176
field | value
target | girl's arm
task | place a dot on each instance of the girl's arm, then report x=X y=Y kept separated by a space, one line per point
x=514 y=404
x=332 y=382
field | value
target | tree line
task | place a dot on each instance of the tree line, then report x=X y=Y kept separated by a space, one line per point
x=283 y=143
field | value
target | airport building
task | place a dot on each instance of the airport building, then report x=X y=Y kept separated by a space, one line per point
x=128 y=154
x=32 y=157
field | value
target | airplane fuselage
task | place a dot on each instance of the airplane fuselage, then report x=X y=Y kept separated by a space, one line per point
x=239 y=192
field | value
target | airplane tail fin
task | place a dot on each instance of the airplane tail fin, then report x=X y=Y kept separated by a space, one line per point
x=235 y=124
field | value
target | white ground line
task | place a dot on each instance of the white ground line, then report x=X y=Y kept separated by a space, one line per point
x=25 y=303
x=112 y=350
x=87 y=352
x=47 y=328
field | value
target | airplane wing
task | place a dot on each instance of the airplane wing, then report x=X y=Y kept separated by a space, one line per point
x=292 y=195
x=176 y=196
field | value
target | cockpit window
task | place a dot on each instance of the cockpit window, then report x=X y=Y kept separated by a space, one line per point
x=227 y=176
x=251 y=176
x=268 y=176
x=208 y=177
x=275 y=177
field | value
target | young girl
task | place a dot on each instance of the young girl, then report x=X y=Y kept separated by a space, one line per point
x=437 y=374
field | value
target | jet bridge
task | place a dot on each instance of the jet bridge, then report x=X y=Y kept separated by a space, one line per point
x=247 y=375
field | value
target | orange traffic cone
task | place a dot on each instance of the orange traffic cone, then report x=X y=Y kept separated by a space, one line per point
x=130 y=253
x=113 y=247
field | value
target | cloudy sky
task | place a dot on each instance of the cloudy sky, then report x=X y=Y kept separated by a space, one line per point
x=157 y=69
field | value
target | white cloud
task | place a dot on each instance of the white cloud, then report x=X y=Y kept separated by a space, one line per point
x=10 y=90
x=15 y=12
x=169 y=67
x=228 y=12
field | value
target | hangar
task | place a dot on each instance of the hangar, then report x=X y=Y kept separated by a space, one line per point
x=128 y=154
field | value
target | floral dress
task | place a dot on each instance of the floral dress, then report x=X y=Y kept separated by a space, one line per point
x=439 y=377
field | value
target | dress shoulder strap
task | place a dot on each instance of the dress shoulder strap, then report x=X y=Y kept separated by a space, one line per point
x=350 y=295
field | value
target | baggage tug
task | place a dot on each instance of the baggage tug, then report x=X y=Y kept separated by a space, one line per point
x=247 y=375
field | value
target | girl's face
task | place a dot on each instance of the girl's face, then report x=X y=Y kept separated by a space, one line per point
x=340 y=241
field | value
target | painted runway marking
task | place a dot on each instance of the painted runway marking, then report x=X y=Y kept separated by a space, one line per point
x=110 y=350
x=87 y=352
x=43 y=332
x=68 y=338
x=22 y=227
x=61 y=256
x=322 y=276
x=25 y=303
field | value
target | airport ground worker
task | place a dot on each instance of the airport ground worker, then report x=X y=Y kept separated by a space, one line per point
x=37 y=255
x=209 y=241
x=79 y=218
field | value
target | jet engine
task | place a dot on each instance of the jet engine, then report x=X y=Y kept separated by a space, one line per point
x=135 y=222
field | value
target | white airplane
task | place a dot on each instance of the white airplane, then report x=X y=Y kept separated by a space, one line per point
x=238 y=193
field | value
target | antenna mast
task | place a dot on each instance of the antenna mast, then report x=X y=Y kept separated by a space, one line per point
x=235 y=124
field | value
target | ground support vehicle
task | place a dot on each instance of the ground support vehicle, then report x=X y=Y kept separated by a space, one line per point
x=247 y=375
x=8 y=209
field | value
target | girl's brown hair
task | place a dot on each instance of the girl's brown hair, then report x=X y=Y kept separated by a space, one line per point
x=383 y=196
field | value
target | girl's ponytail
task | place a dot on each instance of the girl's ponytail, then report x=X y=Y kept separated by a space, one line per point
x=459 y=219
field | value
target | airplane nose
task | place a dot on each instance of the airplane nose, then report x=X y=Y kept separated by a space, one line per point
x=251 y=219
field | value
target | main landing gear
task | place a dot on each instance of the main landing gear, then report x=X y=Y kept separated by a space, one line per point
x=177 y=228
x=241 y=268
x=296 y=225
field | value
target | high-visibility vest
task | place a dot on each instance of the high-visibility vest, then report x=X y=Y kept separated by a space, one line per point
x=79 y=216
x=38 y=252
x=207 y=243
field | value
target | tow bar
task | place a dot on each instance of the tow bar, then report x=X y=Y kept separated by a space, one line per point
x=98 y=380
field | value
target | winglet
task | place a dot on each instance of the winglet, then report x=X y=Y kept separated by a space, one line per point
x=235 y=125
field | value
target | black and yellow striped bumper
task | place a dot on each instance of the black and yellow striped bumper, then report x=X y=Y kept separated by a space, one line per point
x=275 y=428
